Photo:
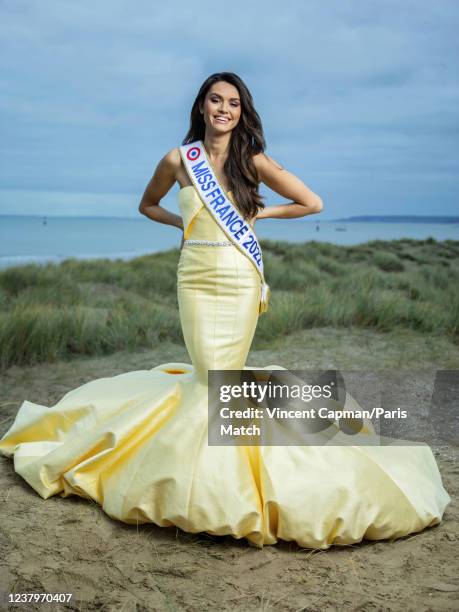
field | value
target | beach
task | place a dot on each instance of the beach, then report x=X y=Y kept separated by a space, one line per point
x=372 y=307
x=69 y=545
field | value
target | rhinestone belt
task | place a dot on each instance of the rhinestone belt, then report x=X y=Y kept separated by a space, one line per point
x=207 y=242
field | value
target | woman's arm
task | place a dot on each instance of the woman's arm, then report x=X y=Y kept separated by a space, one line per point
x=304 y=200
x=163 y=179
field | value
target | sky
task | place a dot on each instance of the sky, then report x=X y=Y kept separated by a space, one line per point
x=360 y=99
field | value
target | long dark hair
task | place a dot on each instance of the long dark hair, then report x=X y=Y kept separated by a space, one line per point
x=247 y=139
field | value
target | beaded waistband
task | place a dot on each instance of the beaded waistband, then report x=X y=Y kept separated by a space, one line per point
x=207 y=242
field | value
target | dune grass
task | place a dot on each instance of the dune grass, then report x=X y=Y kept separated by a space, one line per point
x=97 y=307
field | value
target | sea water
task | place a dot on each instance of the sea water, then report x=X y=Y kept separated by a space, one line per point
x=26 y=239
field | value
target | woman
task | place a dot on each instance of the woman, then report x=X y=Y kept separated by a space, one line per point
x=137 y=443
x=234 y=144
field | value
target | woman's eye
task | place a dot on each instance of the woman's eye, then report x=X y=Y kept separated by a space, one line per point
x=217 y=101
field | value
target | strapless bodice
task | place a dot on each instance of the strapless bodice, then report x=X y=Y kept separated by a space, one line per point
x=198 y=223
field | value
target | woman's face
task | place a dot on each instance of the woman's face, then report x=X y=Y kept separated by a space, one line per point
x=221 y=108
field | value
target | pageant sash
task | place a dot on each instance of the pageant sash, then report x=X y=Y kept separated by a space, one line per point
x=223 y=211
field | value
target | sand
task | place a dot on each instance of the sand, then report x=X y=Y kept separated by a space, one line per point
x=69 y=545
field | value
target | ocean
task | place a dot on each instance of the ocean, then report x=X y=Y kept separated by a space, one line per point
x=26 y=239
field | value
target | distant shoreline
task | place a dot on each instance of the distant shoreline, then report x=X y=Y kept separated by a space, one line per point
x=399 y=219
x=428 y=219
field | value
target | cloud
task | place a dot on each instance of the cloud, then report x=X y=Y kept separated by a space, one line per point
x=94 y=94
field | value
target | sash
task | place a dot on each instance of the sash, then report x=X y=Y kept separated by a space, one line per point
x=221 y=208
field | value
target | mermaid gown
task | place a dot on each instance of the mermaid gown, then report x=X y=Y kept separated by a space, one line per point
x=136 y=443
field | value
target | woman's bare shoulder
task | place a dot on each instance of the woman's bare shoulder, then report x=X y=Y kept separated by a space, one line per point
x=172 y=159
x=261 y=160
x=265 y=164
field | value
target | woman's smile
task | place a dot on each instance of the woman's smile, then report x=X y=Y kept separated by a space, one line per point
x=221 y=119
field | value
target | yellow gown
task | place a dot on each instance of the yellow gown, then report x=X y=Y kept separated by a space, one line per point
x=137 y=443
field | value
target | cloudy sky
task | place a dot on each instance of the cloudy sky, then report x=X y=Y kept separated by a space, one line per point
x=360 y=98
